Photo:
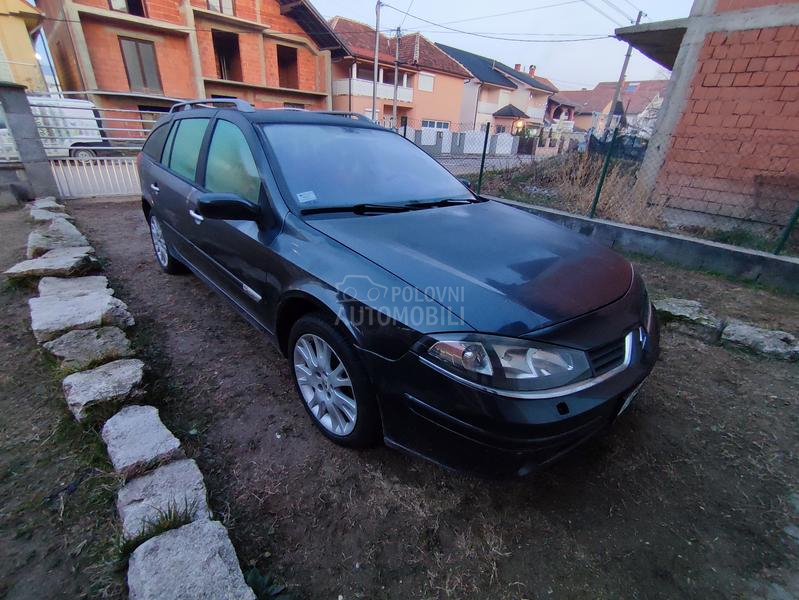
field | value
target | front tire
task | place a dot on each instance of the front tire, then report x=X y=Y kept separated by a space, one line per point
x=332 y=383
x=168 y=263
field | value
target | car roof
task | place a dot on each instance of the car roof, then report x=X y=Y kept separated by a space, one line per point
x=293 y=116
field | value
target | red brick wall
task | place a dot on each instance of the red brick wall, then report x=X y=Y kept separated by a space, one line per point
x=172 y=55
x=172 y=51
x=730 y=5
x=735 y=151
x=164 y=10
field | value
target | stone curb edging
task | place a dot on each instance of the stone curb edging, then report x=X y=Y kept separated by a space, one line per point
x=692 y=318
x=779 y=272
x=79 y=321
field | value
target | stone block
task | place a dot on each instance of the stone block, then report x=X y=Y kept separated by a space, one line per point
x=194 y=562
x=52 y=316
x=82 y=348
x=769 y=342
x=136 y=439
x=113 y=382
x=58 y=233
x=61 y=262
x=174 y=486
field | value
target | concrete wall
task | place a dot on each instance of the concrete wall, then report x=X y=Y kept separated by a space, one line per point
x=780 y=272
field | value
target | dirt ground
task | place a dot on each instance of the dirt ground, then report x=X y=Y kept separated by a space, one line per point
x=687 y=497
x=57 y=518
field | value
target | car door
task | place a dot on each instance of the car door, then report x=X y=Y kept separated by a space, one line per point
x=174 y=184
x=240 y=250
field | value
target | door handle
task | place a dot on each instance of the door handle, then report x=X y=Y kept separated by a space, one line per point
x=198 y=218
x=154 y=187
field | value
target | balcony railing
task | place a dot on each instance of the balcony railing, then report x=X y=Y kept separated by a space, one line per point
x=362 y=87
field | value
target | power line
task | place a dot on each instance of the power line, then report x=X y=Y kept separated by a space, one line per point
x=603 y=13
x=512 y=12
x=491 y=37
x=405 y=15
x=637 y=8
x=618 y=10
x=386 y=30
x=510 y=33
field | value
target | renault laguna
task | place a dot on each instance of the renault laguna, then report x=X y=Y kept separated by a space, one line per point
x=411 y=310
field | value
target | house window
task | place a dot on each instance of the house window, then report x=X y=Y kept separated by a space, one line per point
x=140 y=65
x=133 y=7
x=221 y=6
x=631 y=88
x=297 y=105
x=365 y=72
x=228 y=59
x=501 y=129
x=426 y=81
x=287 y=67
x=430 y=124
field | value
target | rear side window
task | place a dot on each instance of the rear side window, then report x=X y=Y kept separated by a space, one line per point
x=155 y=143
x=185 y=149
x=230 y=167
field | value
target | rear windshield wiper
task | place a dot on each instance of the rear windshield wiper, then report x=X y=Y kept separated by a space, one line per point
x=358 y=209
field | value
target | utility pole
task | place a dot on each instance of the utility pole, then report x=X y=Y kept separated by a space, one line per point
x=622 y=75
x=377 y=51
x=396 y=79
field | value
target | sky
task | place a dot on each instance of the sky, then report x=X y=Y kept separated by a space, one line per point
x=570 y=65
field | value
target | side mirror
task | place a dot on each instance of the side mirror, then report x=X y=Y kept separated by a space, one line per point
x=466 y=183
x=227 y=206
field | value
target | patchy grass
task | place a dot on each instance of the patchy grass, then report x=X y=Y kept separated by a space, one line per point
x=568 y=182
x=172 y=517
x=58 y=525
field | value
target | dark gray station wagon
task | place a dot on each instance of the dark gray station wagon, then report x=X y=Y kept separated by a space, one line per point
x=413 y=311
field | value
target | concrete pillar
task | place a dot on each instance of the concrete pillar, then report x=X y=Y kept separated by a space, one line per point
x=23 y=129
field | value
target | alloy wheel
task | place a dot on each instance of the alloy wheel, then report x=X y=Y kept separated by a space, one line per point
x=325 y=384
x=159 y=244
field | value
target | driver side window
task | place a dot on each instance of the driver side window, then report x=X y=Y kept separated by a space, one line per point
x=231 y=167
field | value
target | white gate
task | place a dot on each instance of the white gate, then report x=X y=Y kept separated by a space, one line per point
x=99 y=176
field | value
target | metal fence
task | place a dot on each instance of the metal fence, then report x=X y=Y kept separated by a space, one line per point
x=470 y=151
x=721 y=186
x=91 y=149
x=98 y=176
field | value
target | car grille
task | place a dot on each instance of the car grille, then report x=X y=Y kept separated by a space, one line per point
x=607 y=357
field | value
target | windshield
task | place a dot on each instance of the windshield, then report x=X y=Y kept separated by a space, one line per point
x=333 y=166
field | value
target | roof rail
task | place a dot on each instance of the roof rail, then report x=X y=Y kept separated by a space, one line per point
x=347 y=114
x=209 y=102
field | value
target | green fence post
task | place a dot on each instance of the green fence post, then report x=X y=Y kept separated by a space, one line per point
x=604 y=172
x=483 y=159
x=786 y=233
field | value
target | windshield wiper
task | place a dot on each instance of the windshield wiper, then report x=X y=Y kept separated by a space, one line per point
x=433 y=203
x=358 y=209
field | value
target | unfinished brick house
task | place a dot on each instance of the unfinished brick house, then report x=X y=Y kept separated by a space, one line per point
x=726 y=145
x=145 y=54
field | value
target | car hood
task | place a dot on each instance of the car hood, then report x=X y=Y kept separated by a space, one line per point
x=500 y=269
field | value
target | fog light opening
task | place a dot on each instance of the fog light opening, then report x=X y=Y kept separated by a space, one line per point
x=563 y=408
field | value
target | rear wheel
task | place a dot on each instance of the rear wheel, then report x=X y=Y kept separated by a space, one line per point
x=167 y=262
x=83 y=153
x=332 y=383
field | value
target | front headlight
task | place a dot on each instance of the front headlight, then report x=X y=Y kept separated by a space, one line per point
x=506 y=363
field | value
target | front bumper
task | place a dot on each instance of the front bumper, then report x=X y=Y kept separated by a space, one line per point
x=427 y=413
